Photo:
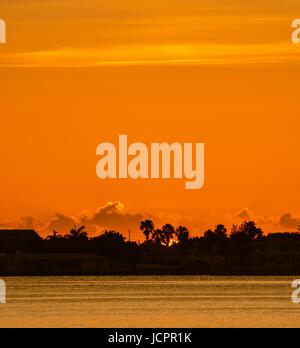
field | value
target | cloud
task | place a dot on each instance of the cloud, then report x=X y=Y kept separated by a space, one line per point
x=287 y=221
x=26 y=222
x=244 y=214
x=158 y=54
x=273 y=223
x=267 y=221
x=61 y=222
x=112 y=215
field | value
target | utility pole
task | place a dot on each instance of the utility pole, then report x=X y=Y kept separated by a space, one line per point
x=129 y=236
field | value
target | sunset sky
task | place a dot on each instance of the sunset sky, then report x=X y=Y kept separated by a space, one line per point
x=78 y=73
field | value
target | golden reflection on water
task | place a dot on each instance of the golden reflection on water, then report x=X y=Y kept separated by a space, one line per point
x=149 y=301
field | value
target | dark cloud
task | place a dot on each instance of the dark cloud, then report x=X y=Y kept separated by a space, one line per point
x=287 y=221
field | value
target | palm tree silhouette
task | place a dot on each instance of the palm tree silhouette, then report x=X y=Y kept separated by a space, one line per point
x=77 y=233
x=147 y=226
x=182 y=234
x=157 y=236
x=54 y=236
x=168 y=232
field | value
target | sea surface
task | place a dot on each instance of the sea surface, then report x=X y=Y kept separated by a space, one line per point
x=149 y=301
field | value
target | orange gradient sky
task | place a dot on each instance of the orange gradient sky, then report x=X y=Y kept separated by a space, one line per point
x=78 y=73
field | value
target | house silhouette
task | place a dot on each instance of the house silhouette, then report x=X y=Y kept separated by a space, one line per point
x=12 y=241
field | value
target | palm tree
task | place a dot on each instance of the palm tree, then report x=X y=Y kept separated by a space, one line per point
x=147 y=226
x=182 y=234
x=168 y=232
x=157 y=236
x=54 y=236
x=77 y=233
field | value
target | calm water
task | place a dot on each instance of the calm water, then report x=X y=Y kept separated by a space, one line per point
x=145 y=301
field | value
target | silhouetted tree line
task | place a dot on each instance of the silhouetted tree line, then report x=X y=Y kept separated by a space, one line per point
x=110 y=244
x=162 y=244
x=114 y=245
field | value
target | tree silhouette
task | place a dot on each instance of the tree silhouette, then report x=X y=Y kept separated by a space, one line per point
x=247 y=231
x=54 y=236
x=168 y=233
x=110 y=237
x=221 y=231
x=218 y=235
x=209 y=234
x=157 y=236
x=182 y=234
x=147 y=226
x=242 y=239
x=77 y=233
x=110 y=243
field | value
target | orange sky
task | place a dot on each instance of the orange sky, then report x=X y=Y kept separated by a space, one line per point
x=78 y=73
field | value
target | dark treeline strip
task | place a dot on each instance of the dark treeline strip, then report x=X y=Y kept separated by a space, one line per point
x=244 y=248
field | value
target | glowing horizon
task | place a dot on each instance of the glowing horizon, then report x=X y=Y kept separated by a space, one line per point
x=216 y=72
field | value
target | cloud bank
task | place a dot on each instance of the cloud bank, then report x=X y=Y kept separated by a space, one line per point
x=113 y=215
x=287 y=221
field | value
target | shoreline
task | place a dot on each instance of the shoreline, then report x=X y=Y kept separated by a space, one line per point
x=127 y=274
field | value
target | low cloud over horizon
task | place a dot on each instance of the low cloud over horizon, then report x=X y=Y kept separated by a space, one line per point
x=113 y=215
x=287 y=221
x=110 y=216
